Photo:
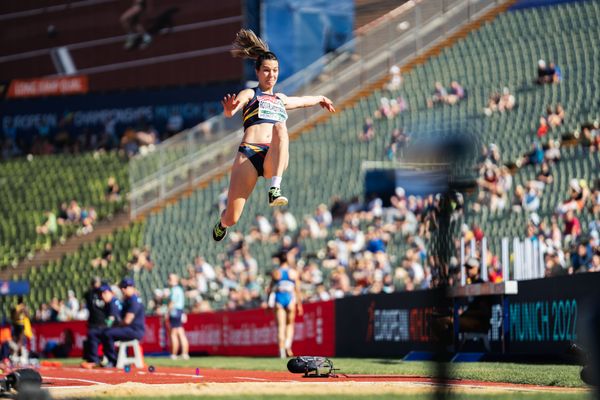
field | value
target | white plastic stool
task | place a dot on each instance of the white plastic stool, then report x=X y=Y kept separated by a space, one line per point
x=123 y=359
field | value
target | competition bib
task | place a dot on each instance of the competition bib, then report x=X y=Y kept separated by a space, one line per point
x=271 y=108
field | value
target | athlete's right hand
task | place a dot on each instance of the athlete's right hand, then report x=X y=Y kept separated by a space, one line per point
x=230 y=103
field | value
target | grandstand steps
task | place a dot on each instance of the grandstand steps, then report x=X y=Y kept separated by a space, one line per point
x=71 y=245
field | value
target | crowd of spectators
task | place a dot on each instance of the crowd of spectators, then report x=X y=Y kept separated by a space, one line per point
x=441 y=95
x=66 y=138
x=71 y=214
x=59 y=310
x=361 y=256
x=503 y=102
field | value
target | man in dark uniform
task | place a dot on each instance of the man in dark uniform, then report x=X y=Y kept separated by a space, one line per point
x=132 y=325
x=112 y=311
x=97 y=316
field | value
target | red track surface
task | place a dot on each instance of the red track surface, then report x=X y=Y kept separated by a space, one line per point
x=75 y=376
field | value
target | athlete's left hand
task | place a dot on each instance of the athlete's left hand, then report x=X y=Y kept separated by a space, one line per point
x=327 y=104
x=300 y=309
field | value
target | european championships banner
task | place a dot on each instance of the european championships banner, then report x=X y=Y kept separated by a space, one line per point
x=245 y=333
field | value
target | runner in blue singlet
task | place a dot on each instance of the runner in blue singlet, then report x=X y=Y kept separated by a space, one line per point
x=285 y=298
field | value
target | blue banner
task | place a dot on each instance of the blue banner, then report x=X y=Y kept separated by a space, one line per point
x=14 y=288
x=301 y=31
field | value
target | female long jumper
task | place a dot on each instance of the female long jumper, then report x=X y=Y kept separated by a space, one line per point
x=264 y=148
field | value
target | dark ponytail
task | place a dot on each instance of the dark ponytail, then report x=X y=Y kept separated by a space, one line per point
x=248 y=45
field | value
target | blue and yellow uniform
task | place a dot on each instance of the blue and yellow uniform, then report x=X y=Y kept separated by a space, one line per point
x=263 y=108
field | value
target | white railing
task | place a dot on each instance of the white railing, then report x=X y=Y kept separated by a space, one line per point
x=404 y=32
x=527 y=258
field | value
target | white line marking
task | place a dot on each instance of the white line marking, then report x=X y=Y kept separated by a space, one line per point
x=75 y=379
x=66 y=387
x=252 y=379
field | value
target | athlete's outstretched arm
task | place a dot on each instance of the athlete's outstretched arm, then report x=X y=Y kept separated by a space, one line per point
x=292 y=102
x=233 y=103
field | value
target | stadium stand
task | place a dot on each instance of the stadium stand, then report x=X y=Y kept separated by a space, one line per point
x=37 y=185
x=325 y=162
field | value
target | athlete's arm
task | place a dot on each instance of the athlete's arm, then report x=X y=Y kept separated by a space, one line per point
x=299 y=308
x=292 y=102
x=233 y=103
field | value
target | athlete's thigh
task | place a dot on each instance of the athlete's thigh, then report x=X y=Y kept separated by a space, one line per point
x=243 y=180
x=291 y=313
x=268 y=167
x=281 y=315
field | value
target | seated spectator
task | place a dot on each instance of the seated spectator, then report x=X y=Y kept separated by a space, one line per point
x=531 y=202
x=518 y=199
x=439 y=95
x=63 y=216
x=544 y=177
x=542 y=129
x=368 y=132
x=50 y=226
x=74 y=211
x=595 y=264
x=456 y=93
x=552 y=153
x=534 y=157
x=398 y=139
x=492 y=104
x=398 y=105
x=43 y=313
x=139 y=260
x=507 y=101
x=555 y=117
x=113 y=191
x=557 y=76
x=105 y=258
x=264 y=227
x=572 y=228
x=384 y=110
x=323 y=217
x=545 y=73
x=578 y=196
x=88 y=217
x=581 y=260
x=338 y=208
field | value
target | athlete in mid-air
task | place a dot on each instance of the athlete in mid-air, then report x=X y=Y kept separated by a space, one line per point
x=264 y=148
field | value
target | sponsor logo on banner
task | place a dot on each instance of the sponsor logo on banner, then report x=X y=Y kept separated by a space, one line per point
x=48 y=86
x=254 y=332
x=399 y=325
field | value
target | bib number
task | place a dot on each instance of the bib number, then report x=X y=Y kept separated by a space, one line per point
x=272 y=111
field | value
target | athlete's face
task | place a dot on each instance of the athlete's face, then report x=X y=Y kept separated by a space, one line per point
x=267 y=73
